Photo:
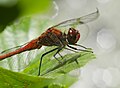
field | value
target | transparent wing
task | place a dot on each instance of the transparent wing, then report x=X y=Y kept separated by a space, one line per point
x=11 y=49
x=75 y=23
x=81 y=20
x=19 y=61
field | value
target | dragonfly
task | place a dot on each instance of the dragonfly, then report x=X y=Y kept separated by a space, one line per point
x=53 y=36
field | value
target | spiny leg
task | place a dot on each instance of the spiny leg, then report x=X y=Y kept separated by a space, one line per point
x=81 y=46
x=42 y=58
x=75 y=52
x=71 y=50
x=59 y=49
x=79 y=49
x=60 y=55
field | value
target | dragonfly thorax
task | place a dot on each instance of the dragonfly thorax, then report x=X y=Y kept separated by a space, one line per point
x=73 y=36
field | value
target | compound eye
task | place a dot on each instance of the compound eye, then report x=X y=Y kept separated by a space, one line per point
x=70 y=32
x=73 y=36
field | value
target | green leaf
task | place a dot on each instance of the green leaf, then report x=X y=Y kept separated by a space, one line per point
x=55 y=74
x=69 y=63
x=56 y=86
x=54 y=68
x=18 y=34
x=9 y=79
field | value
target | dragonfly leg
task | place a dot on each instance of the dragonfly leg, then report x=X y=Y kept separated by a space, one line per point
x=79 y=49
x=59 y=49
x=81 y=46
x=60 y=55
x=42 y=58
x=75 y=52
x=71 y=50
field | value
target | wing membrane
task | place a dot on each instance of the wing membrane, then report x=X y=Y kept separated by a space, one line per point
x=11 y=49
x=89 y=17
x=81 y=20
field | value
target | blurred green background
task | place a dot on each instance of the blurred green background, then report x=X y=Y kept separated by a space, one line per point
x=11 y=10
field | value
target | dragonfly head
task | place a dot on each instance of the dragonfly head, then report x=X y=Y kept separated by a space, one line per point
x=73 y=36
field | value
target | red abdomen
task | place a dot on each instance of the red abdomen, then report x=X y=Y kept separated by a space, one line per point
x=30 y=46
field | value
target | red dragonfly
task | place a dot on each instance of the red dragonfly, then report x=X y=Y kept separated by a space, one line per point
x=53 y=36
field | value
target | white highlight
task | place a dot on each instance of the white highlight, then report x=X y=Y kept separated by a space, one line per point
x=111 y=77
x=97 y=78
x=105 y=39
